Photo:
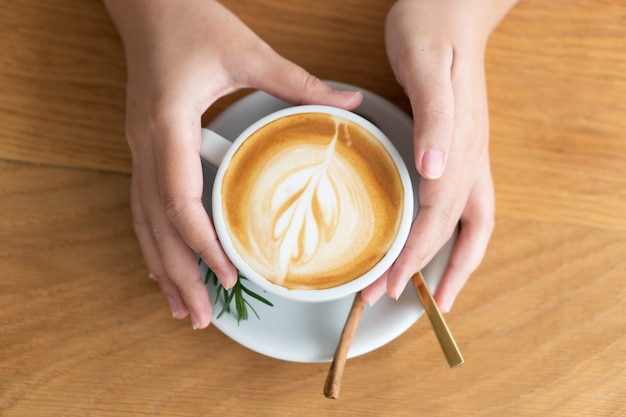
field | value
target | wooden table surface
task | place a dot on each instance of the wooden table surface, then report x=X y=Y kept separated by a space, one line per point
x=542 y=323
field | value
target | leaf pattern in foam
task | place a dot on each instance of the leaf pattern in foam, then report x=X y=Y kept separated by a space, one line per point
x=294 y=204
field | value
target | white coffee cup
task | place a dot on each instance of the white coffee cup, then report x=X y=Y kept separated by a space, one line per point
x=220 y=152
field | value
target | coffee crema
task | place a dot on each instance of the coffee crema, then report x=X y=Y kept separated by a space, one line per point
x=312 y=201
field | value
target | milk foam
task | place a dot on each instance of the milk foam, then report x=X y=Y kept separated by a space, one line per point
x=310 y=213
x=312 y=199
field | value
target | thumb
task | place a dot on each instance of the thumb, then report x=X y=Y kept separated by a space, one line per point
x=429 y=87
x=290 y=82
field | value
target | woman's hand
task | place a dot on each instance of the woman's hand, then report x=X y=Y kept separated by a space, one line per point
x=436 y=49
x=182 y=57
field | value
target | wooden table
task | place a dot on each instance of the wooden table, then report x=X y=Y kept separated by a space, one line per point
x=542 y=323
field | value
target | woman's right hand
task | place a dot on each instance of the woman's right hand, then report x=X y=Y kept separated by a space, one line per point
x=181 y=58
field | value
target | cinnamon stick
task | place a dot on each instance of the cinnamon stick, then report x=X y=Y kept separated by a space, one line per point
x=335 y=372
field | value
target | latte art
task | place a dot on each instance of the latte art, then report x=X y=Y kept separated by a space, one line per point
x=303 y=208
x=312 y=201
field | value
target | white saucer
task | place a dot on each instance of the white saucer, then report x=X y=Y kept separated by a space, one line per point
x=309 y=332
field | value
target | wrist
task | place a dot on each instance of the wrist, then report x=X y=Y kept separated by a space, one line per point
x=476 y=17
x=498 y=9
x=486 y=14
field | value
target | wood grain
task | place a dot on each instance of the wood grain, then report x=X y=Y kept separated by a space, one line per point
x=542 y=323
x=557 y=83
x=62 y=75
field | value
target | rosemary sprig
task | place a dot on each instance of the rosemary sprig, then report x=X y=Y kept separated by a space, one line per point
x=236 y=293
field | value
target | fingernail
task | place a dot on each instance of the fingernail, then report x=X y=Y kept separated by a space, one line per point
x=432 y=164
x=177 y=312
x=196 y=323
x=395 y=294
x=445 y=305
x=348 y=93
x=152 y=276
x=232 y=282
x=369 y=300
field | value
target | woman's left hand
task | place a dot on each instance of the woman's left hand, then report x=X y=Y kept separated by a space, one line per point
x=436 y=49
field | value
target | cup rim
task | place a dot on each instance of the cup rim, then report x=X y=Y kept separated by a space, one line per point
x=324 y=294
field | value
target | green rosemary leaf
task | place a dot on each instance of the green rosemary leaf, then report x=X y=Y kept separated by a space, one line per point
x=256 y=296
x=240 y=305
x=236 y=293
x=217 y=294
x=252 y=308
x=228 y=296
x=208 y=275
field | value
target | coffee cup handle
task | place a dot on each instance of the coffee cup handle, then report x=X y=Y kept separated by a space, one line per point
x=213 y=147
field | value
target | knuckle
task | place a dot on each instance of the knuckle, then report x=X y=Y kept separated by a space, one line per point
x=155 y=122
x=153 y=110
x=183 y=211
x=438 y=116
x=168 y=286
x=434 y=118
x=156 y=229
x=442 y=218
x=210 y=251
x=146 y=226
x=140 y=225
x=443 y=214
x=425 y=55
x=308 y=84
x=206 y=253
x=175 y=206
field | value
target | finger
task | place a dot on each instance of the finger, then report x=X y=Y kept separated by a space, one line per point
x=185 y=225
x=180 y=183
x=288 y=81
x=420 y=248
x=179 y=275
x=439 y=210
x=374 y=291
x=477 y=223
x=427 y=81
x=151 y=255
x=182 y=270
